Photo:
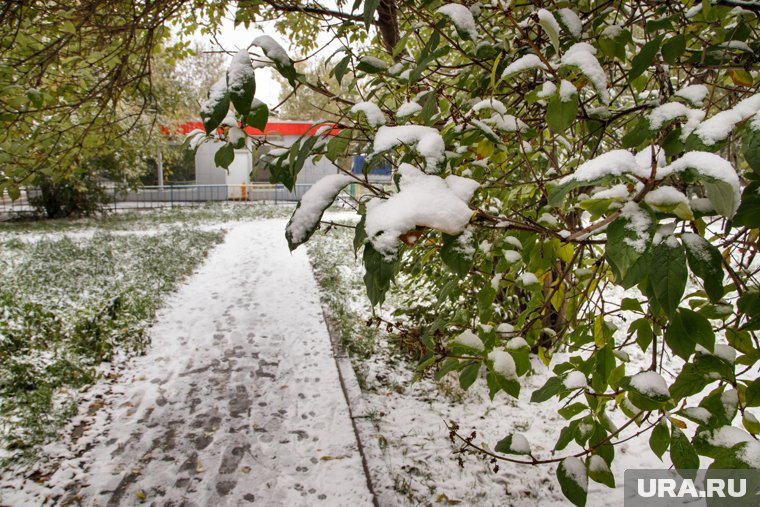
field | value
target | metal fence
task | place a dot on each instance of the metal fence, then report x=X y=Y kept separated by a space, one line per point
x=170 y=195
x=192 y=195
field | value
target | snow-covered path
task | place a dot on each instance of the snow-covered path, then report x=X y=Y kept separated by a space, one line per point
x=238 y=399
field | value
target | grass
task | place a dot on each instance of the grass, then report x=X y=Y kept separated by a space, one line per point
x=70 y=302
x=334 y=267
x=141 y=218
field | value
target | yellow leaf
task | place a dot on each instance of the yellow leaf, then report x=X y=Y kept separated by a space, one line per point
x=740 y=77
x=678 y=422
x=140 y=494
x=543 y=356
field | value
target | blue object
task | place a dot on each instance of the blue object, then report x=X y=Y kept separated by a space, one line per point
x=357 y=167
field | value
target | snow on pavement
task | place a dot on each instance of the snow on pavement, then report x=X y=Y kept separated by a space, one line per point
x=238 y=399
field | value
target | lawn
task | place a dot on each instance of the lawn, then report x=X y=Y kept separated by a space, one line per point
x=77 y=298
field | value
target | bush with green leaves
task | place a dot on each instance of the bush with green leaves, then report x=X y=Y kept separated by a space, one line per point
x=575 y=176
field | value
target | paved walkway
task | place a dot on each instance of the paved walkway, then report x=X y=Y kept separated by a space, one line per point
x=238 y=401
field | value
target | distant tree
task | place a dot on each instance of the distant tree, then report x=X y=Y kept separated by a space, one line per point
x=312 y=103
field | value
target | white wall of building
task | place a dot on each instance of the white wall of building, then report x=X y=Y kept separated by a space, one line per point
x=208 y=173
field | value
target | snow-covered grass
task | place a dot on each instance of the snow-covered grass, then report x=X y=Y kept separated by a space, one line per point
x=70 y=303
x=403 y=416
x=78 y=295
x=141 y=219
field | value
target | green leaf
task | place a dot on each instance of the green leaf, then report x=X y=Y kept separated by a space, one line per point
x=341 y=68
x=673 y=48
x=686 y=329
x=448 y=366
x=571 y=474
x=549 y=389
x=752 y=394
x=749 y=306
x=721 y=196
x=682 y=453
x=35 y=97
x=469 y=374
x=618 y=251
x=370 y=6
x=740 y=340
x=338 y=145
x=604 y=366
x=224 y=156
x=486 y=297
x=567 y=434
x=643 y=329
x=453 y=255
x=667 y=275
x=360 y=233
x=644 y=58
x=378 y=274
x=258 y=116
x=560 y=114
x=659 y=440
x=751 y=148
x=689 y=382
x=748 y=214
x=572 y=410
x=631 y=305
x=241 y=82
x=504 y=446
x=638 y=134
x=705 y=262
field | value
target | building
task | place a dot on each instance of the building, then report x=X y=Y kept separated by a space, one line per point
x=247 y=178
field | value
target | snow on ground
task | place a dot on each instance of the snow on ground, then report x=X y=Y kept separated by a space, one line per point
x=238 y=399
x=402 y=422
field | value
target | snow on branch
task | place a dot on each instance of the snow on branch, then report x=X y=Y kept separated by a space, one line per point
x=423 y=200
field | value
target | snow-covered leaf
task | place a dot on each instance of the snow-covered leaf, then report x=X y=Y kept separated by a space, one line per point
x=549 y=23
x=628 y=238
x=312 y=206
x=371 y=65
x=241 y=82
x=599 y=471
x=462 y=19
x=573 y=480
x=215 y=108
x=279 y=57
x=514 y=443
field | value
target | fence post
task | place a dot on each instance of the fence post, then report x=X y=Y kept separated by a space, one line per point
x=171 y=195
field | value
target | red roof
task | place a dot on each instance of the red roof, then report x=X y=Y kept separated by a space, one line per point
x=281 y=128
